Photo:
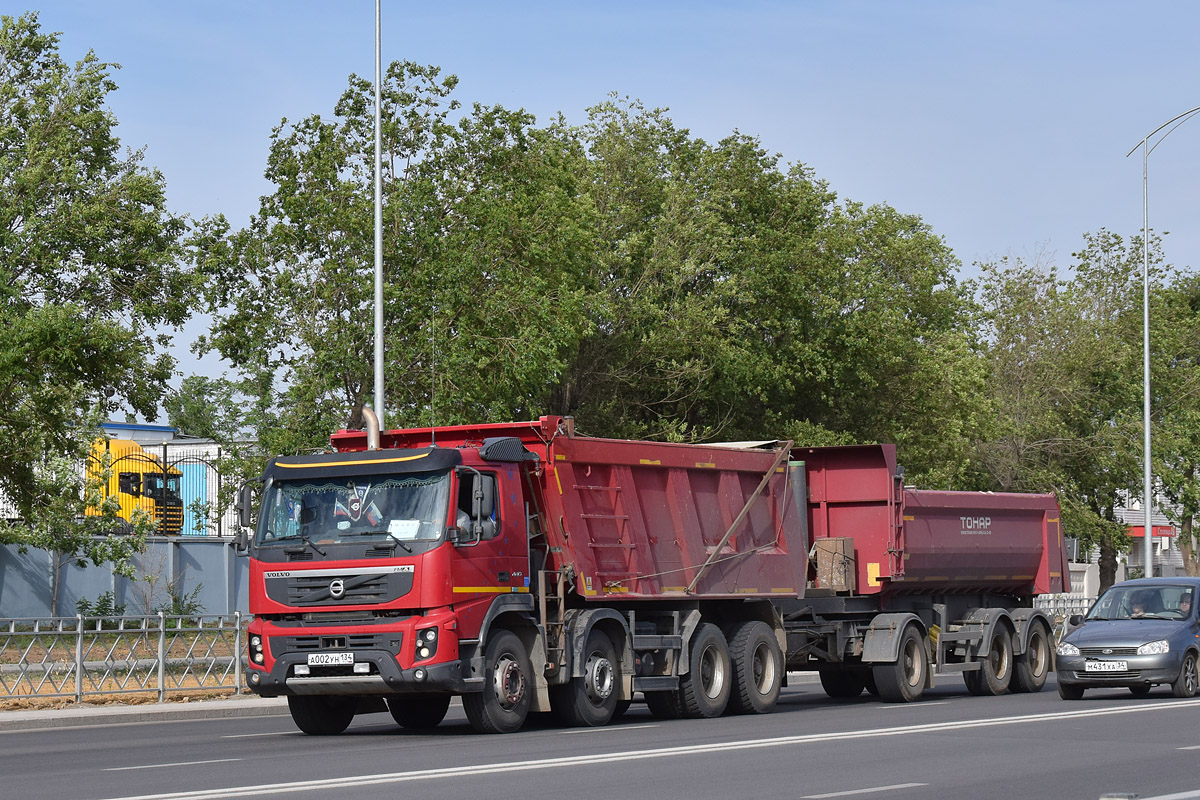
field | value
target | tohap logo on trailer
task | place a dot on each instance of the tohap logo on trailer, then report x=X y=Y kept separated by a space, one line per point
x=976 y=526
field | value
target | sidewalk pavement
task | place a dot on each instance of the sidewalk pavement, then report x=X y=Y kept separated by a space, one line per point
x=75 y=716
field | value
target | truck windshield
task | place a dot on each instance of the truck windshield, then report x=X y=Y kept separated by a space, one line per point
x=405 y=508
x=153 y=486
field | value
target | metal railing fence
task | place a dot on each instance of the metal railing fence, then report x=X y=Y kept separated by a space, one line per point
x=80 y=657
x=1060 y=607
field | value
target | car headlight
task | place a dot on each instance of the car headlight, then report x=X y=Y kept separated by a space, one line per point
x=1155 y=648
x=1067 y=649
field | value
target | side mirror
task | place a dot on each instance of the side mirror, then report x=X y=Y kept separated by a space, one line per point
x=1075 y=620
x=245 y=509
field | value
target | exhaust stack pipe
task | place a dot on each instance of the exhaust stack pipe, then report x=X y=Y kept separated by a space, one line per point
x=372 y=427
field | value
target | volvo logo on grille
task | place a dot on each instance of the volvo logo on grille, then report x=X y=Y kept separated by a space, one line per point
x=337 y=588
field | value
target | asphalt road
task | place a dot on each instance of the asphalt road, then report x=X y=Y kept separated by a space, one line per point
x=949 y=745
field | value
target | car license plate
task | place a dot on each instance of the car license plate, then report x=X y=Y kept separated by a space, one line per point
x=1106 y=666
x=330 y=659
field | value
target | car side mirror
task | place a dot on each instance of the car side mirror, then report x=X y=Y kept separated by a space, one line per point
x=1075 y=620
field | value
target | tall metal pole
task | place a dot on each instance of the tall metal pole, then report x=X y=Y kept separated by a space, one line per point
x=378 y=225
x=1147 y=477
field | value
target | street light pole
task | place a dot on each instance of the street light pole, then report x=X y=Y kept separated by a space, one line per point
x=378 y=229
x=1147 y=478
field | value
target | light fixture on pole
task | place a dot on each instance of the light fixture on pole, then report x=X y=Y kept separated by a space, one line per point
x=1147 y=478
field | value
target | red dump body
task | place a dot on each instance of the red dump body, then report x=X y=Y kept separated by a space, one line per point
x=909 y=541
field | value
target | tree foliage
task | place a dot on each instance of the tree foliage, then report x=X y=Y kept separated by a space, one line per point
x=87 y=270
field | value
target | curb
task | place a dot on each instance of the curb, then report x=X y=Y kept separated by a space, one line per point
x=90 y=716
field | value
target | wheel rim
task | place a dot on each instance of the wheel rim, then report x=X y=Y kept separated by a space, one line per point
x=764 y=668
x=914 y=666
x=712 y=672
x=1039 y=654
x=998 y=658
x=1189 y=679
x=601 y=678
x=508 y=682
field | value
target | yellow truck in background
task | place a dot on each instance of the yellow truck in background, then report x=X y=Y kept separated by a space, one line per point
x=139 y=481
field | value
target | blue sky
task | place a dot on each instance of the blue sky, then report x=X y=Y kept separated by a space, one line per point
x=1003 y=124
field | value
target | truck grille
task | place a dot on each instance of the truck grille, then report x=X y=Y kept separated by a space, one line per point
x=302 y=590
x=354 y=641
x=369 y=586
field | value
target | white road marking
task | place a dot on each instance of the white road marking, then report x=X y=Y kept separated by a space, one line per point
x=1193 y=747
x=332 y=784
x=611 y=728
x=174 y=764
x=1178 y=796
x=915 y=705
x=252 y=735
x=873 y=789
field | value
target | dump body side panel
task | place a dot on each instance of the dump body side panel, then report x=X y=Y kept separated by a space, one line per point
x=644 y=520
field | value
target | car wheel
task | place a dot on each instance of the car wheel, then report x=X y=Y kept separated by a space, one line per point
x=1185 y=685
x=1070 y=691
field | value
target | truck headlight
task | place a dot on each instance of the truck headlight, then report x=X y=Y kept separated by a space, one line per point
x=1155 y=648
x=1067 y=649
x=427 y=642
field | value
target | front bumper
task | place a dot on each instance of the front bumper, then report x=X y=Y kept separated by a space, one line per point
x=385 y=676
x=1141 y=670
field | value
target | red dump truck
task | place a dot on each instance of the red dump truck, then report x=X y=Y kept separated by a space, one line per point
x=528 y=568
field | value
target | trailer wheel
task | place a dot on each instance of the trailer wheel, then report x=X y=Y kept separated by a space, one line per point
x=1032 y=666
x=757 y=668
x=590 y=701
x=319 y=715
x=903 y=680
x=419 y=712
x=995 y=671
x=707 y=685
x=1186 y=684
x=507 y=686
x=665 y=704
x=841 y=684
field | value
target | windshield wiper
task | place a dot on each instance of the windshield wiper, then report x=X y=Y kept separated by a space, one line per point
x=304 y=538
x=390 y=544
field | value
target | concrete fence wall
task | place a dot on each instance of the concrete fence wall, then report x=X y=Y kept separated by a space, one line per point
x=207 y=570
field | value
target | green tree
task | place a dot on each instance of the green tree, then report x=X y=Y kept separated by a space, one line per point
x=87 y=272
x=1063 y=386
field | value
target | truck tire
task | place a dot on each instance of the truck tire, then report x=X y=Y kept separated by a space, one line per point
x=319 y=715
x=419 y=712
x=841 y=684
x=665 y=704
x=757 y=668
x=507 y=687
x=1032 y=666
x=903 y=680
x=995 y=671
x=590 y=701
x=706 y=687
x=1186 y=684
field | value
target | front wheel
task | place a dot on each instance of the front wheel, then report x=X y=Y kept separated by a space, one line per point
x=904 y=680
x=1032 y=666
x=591 y=700
x=318 y=715
x=1070 y=691
x=419 y=712
x=1186 y=684
x=507 y=687
x=705 y=689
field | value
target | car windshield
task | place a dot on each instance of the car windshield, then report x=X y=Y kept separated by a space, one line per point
x=1167 y=601
x=402 y=507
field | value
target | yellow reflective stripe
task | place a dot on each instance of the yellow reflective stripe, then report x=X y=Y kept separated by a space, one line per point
x=490 y=589
x=351 y=463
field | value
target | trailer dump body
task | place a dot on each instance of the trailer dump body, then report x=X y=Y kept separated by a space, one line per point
x=910 y=541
